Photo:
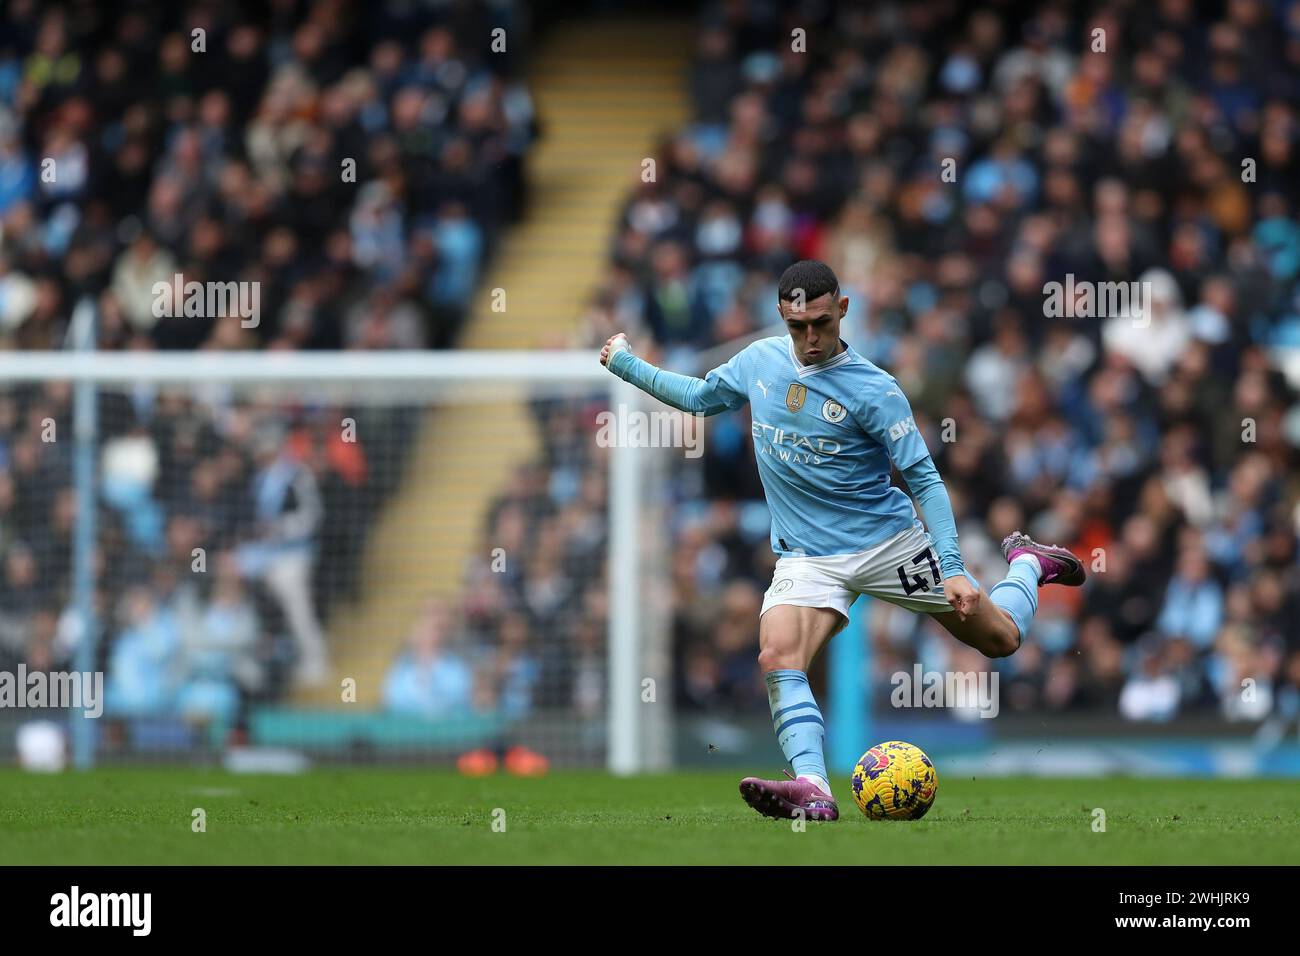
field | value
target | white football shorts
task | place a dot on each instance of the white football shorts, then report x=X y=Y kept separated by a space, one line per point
x=903 y=570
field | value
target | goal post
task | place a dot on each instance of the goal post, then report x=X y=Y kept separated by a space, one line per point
x=238 y=387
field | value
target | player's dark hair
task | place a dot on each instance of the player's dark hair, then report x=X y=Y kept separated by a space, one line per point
x=812 y=275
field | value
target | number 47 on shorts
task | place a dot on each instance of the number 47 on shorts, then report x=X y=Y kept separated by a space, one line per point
x=914 y=582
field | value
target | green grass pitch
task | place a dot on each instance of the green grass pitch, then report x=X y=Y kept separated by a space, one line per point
x=144 y=816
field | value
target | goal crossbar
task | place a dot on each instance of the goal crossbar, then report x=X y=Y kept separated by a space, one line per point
x=575 y=366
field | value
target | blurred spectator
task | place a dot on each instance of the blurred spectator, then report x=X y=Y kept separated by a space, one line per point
x=287 y=514
x=1151 y=692
x=1193 y=602
x=509 y=675
x=429 y=680
x=142 y=666
x=219 y=640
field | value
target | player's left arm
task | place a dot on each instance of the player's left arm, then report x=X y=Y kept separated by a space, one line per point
x=889 y=420
x=936 y=507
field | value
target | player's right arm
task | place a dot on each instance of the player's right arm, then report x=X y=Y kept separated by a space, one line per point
x=720 y=390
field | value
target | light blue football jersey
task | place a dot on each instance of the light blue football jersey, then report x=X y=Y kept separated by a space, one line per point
x=824 y=437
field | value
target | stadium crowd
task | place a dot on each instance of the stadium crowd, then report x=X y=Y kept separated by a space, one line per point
x=949 y=160
x=358 y=163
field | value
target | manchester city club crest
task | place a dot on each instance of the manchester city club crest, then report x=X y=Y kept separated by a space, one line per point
x=795 y=395
x=833 y=411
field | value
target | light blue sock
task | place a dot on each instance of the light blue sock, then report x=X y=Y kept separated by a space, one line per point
x=797 y=722
x=1017 y=594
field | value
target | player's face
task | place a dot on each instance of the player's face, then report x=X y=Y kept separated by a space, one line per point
x=815 y=329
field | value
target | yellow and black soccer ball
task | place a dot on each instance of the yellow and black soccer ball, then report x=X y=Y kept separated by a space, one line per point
x=895 y=781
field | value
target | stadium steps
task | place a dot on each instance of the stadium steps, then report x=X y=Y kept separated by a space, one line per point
x=606 y=92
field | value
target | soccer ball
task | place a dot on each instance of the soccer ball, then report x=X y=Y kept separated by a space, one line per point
x=894 y=781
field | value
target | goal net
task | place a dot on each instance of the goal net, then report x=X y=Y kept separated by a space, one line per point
x=391 y=557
